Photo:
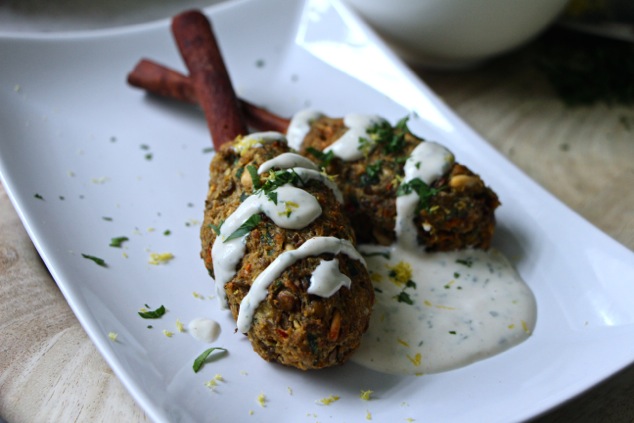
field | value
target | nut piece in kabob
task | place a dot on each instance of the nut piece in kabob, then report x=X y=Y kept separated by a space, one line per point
x=379 y=169
x=274 y=235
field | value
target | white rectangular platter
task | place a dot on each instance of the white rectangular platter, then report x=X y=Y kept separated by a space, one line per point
x=85 y=158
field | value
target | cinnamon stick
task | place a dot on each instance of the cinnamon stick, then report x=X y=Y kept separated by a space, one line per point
x=212 y=86
x=161 y=80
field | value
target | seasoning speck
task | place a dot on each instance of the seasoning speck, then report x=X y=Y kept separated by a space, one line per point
x=160 y=258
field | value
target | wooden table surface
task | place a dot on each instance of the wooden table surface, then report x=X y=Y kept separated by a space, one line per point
x=51 y=372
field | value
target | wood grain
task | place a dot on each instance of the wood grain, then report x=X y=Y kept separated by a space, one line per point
x=51 y=372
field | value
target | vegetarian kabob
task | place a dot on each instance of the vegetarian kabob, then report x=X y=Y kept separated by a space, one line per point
x=274 y=236
x=455 y=208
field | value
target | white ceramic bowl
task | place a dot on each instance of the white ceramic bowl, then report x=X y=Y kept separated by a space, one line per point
x=453 y=33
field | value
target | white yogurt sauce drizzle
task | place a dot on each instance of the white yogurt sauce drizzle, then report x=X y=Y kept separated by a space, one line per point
x=287 y=161
x=313 y=247
x=328 y=279
x=299 y=127
x=347 y=147
x=428 y=162
x=465 y=305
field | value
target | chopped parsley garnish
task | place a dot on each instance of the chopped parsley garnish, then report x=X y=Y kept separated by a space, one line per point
x=385 y=254
x=216 y=228
x=424 y=191
x=324 y=158
x=391 y=139
x=152 y=314
x=255 y=178
x=246 y=227
x=107 y=218
x=200 y=360
x=167 y=232
x=116 y=242
x=99 y=261
x=466 y=262
x=279 y=178
x=403 y=297
x=372 y=173
x=38 y=196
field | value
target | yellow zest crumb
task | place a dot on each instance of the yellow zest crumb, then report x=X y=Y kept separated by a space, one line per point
x=219 y=377
x=211 y=384
x=251 y=412
x=410 y=420
x=113 y=336
x=403 y=343
x=368 y=415
x=511 y=326
x=400 y=273
x=525 y=327
x=416 y=359
x=179 y=326
x=197 y=295
x=262 y=400
x=124 y=254
x=376 y=277
x=151 y=229
x=290 y=391
x=101 y=180
x=329 y=400
x=168 y=333
x=365 y=395
x=160 y=258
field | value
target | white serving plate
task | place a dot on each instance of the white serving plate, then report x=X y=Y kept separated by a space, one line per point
x=73 y=150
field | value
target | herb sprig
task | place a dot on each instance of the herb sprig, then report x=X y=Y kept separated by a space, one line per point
x=200 y=360
x=424 y=191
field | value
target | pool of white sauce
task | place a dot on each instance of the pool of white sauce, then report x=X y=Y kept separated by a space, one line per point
x=465 y=306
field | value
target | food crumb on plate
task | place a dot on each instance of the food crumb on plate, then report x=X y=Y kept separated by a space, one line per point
x=168 y=333
x=160 y=258
x=329 y=400
x=366 y=395
x=262 y=400
x=113 y=336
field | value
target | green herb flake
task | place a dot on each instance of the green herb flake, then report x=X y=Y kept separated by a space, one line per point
x=403 y=297
x=167 y=232
x=452 y=332
x=38 y=196
x=201 y=359
x=99 y=261
x=424 y=192
x=372 y=173
x=246 y=227
x=118 y=241
x=272 y=196
x=385 y=254
x=152 y=314
x=323 y=158
x=216 y=228
x=465 y=262
x=107 y=218
x=254 y=176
